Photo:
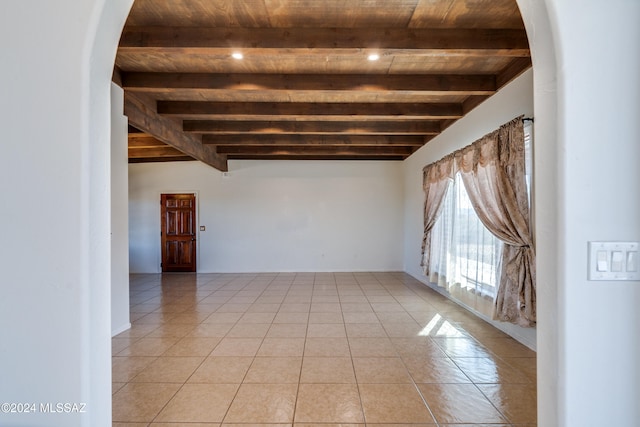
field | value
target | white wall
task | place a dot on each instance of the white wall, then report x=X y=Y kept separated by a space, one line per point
x=514 y=99
x=598 y=152
x=119 y=214
x=276 y=215
x=41 y=309
x=54 y=180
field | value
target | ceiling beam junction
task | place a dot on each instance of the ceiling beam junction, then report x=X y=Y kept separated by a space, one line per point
x=168 y=131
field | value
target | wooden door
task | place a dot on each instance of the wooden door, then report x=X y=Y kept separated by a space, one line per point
x=178 y=232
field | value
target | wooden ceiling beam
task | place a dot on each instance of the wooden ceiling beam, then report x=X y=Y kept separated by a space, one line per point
x=316 y=151
x=359 y=157
x=284 y=96
x=143 y=147
x=471 y=103
x=147 y=159
x=141 y=140
x=314 y=140
x=116 y=76
x=315 y=110
x=514 y=69
x=155 y=152
x=349 y=41
x=438 y=84
x=317 y=128
x=225 y=52
x=168 y=131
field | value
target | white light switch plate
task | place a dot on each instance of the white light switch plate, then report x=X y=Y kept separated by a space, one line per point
x=613 y=261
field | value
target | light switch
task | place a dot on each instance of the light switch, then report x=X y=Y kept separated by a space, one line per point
x=616 y=261
x=632 y=261
x=203 y=228
x=602 y=261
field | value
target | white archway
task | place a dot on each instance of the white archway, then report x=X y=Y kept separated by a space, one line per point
x=568 y=147
x=54 y=112
x=539 y=30
x=102 y=46
x=538 y=26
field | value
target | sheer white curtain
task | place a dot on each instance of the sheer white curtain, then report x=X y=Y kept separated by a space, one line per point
x=465 y=256
x=440 y=267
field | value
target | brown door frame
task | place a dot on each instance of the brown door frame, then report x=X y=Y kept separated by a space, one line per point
x=196 y=227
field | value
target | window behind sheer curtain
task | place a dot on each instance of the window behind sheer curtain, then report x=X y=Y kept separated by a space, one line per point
x=465 y=256
x=528 y=156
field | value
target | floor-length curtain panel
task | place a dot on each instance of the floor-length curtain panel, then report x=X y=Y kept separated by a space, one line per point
x=436 y=179
x=493 y=173
x=440 y=242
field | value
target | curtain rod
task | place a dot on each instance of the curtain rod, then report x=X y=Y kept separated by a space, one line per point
x=527 y=119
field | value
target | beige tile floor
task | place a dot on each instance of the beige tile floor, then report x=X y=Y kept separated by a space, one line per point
x=299 y=350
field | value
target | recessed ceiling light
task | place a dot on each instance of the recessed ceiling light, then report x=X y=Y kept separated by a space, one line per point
x=237 y=55
x=374 y=57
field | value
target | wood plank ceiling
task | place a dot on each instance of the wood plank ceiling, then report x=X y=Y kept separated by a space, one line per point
x=307 y=86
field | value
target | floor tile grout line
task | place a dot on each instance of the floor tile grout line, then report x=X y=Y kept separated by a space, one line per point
x=304 y=350
x=492 y=404
x=353 y=365
x=391 y=290
x=191 y=375
x=166 y=403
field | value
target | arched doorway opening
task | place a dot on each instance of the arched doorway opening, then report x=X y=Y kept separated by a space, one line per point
x=535 y=16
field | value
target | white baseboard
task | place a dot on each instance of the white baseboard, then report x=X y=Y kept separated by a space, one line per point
x=120 y=330
x=525 y=336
